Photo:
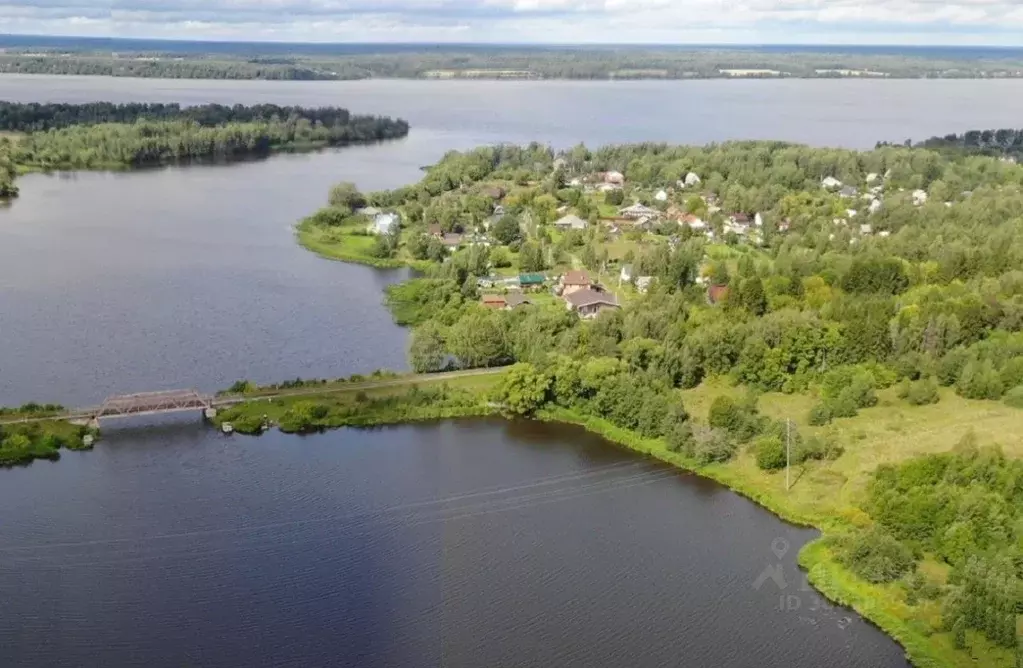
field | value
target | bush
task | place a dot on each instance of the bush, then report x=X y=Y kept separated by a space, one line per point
x=770 y=452
x=740 y=420
x=979 y=380
x=876 y=556
x=923 y=392
x=820 y=415
x=843 y=406
x=1014 y=397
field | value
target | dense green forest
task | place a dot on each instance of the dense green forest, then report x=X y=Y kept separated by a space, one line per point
x=33 y=117
x=900 y=290
x=505 y=62
x=1004 y=142
x=104 y=135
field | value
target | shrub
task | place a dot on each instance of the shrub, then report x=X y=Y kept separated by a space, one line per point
x=876 y=556
x=923 y=392
x=770 y=453
x=1014 y=397
x=843 y=406
x=979 y=380
x=820 y=415
x=740 y=420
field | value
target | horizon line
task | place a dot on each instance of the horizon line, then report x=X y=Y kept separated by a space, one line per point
x=740 y=45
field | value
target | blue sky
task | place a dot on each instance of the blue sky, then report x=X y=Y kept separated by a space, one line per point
x=956 y=22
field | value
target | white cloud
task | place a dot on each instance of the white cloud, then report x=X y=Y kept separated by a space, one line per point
x=985 y=22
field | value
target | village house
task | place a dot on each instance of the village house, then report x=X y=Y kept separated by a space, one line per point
x=625 y=275
x=716 y=294
x=637 y=211
x=693 y=222
x=499 y=210
x=575 y=182
x=866 y=228
x=493 y=301
x=884 y=233
x=830 y=182
x=919 y=197
x=571 y=222
x=516 y=299
x=784 y=225
x=574 y=281
x=368 y=211
x=531 y=280
x=874 y=206
x=451 y=241
x=737 y=223
x=434 y=230
x=589 y=303
x=661 y=196
x=643 y=283
x=848 y=192
x=384 y=223
x=871 y=177
x=493 y=192
x=691 y=179
x=758 y=220
x=614 y=178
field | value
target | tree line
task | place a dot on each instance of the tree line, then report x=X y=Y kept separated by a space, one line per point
x=35 y=116
x=503 y=62
x=106 y=135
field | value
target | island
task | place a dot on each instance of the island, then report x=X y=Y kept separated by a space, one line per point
x=835 y=334
x=103 y=135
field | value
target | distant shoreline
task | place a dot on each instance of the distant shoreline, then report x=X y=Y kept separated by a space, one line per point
x=345 y=62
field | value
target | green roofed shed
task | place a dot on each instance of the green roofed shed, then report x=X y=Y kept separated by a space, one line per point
x=531 y=279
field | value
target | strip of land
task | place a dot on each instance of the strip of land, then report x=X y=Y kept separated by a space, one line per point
x=338 y=62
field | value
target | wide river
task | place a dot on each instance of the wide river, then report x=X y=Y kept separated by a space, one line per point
x=459 y=544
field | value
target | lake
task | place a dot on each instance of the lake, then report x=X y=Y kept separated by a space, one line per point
x=457 y=544
x=471 y=543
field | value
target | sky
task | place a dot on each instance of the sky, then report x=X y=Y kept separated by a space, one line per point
x=910 y=22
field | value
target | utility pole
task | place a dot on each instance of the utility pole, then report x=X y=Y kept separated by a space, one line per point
x=788 y=452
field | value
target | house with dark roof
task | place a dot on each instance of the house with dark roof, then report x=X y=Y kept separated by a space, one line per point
x=515 y=300
x=589 y=303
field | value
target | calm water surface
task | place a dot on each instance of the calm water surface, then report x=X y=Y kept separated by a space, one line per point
x=459 y=544
x=475 y=543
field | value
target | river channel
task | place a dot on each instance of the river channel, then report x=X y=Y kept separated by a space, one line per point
x=460 y=544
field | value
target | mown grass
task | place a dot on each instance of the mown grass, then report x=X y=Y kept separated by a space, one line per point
x=347 y=246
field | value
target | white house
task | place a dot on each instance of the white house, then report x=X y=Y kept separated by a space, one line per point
x=919 y=197
x=883 y=233
x=576 y=182
x=871 y=177
x=571 y=222
x=758 y=220
x=661 y=196
x=384 y=223
x=865 y=228
x=625 y=275
x=643 y=283
x=615 y=178
x=637 y=211
x=851 y=213
x=692 y=179
x=875 y=206
x=830 y=182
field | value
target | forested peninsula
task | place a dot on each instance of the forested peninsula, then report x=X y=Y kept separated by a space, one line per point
x=712 y=306
x=111 y=136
